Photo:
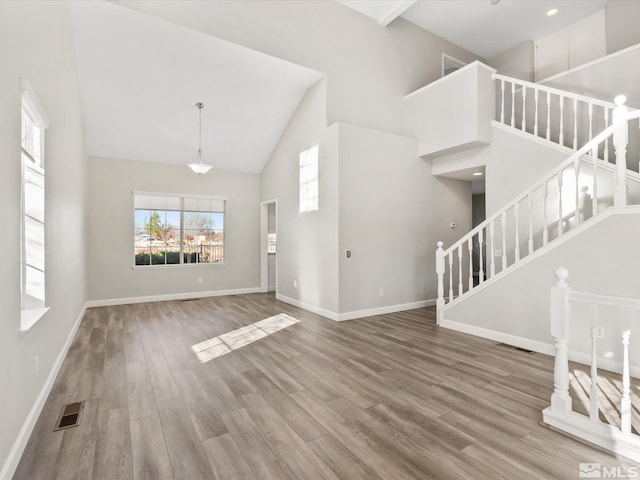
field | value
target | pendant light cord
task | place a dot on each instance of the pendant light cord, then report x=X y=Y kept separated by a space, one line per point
x=200 y=107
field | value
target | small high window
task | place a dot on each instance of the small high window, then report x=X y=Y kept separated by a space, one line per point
x=308 y=180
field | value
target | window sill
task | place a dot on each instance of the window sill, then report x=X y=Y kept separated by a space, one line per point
x=28 y=318
x=178 y=265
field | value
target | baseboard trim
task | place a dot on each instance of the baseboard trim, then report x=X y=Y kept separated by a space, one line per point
x=308 y=307
x=172 y=296
x=536 y=346
x=20 y=444
x=501 y=337
x=370 y=312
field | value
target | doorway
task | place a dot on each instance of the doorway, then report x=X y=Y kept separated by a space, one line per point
x=450 y=64
x=269 y=246
x=478 y=215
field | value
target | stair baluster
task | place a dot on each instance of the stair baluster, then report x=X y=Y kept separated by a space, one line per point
x=551 y=203
x=561 y=137
x=470 y=247
x=460 y=286
x=530 y=202
x=492 y=232
x=560 y=219
x=517 y=228
x=593 y=392
x=524 y=108
x=625 y=405
x=576 y=169
x=503 y=221
x=575 y=123
x=560 y=415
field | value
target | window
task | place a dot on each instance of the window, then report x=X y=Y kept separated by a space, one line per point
x=32 y=255
x=271 y=243
x=309 y=180
x=177 y=229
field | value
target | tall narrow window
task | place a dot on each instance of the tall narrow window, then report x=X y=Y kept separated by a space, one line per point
x=309 y=180
x=34 y=123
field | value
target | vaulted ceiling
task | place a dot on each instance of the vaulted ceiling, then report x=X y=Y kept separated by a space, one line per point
x=140 y=78
x=481 y=26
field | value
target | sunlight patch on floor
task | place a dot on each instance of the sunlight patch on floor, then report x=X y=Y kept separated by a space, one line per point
x=227 y=342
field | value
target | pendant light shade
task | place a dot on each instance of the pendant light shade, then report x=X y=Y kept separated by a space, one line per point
x=200 y=167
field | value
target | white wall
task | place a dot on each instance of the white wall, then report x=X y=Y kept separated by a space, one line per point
x=513 y=163
x=518 y=304
x=36 y=45
x=517 y=62
x=622 y=24
x=307 y=242
x=111 y=258
x=369 y=67
x=453 y=113
x=392 y=213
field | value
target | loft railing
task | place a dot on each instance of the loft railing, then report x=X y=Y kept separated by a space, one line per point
x=562 y=117
x=571 y=193
x=560 y=414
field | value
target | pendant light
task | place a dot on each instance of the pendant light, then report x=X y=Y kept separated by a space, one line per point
x=200 y=167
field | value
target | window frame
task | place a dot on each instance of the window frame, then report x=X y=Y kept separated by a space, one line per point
x=181 y=212
x=32 y=308
x=309 y=182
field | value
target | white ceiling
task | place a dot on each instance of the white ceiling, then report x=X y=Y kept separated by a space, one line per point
x=140 y=78
x=479 y=26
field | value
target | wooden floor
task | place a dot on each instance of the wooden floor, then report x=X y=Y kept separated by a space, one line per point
x=387 y=397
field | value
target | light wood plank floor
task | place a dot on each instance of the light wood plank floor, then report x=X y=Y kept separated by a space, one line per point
x=387 y=397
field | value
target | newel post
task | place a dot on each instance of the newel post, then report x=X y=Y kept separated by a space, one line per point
x=620 y=140
x=560 y=399
x=440 y=275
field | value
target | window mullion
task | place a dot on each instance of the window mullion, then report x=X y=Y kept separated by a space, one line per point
x=182 y=236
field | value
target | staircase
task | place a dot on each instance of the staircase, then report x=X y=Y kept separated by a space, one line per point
x=592 y=179
x=573 y=201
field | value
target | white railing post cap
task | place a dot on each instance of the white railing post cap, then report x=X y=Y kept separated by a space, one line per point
x=440 y=244
x=620 y=100
x=561 y=274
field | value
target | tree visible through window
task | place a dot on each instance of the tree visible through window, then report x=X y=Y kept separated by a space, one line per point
x=179 y=230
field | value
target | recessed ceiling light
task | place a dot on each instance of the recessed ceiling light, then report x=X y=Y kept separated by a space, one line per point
x=494 y=2
x=477 y=174
x=552 y=12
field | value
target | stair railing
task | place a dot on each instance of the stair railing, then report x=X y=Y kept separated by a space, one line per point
x=559 y=116
x=571 y=193
x=561 y=414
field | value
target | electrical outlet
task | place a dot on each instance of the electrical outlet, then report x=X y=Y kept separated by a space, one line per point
x=598 y=332
x=382 y=292
x=199 y=280
x=295 y=284
x=37 y=363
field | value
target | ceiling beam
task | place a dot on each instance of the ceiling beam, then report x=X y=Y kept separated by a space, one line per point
x=394 y=12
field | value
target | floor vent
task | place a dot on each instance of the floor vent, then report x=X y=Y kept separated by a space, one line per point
x=528 y=352
x=190 y=299
x=70 y=416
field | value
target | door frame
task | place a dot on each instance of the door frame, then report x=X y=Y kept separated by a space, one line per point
x=264 y=255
